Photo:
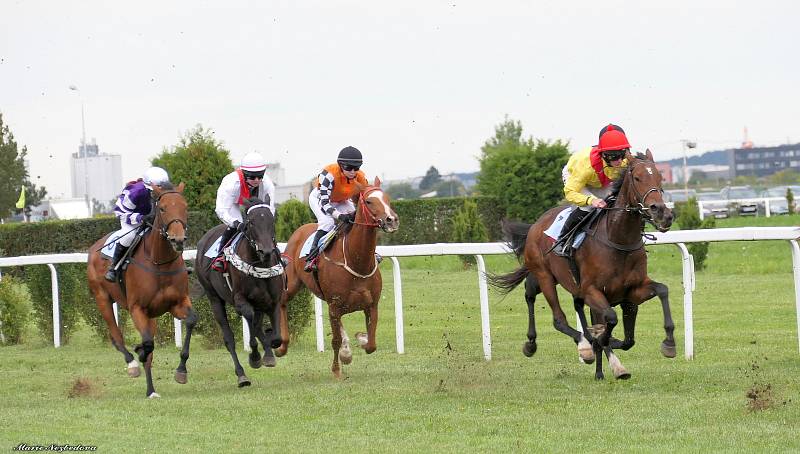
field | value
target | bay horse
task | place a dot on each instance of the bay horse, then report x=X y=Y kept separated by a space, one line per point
x=155 y=282
x=255 y=287
x=611 y=266
x=348 y=277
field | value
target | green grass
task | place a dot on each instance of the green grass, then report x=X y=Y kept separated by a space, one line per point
x=441 y=395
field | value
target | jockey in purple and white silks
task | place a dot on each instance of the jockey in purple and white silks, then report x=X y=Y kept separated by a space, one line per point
x=133 y=207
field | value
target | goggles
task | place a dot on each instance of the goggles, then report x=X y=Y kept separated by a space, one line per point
x=253 y=176
x=614 y=155
x=350 y=167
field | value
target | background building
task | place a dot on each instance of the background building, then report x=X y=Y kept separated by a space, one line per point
x=97 y=175
x=763 y=161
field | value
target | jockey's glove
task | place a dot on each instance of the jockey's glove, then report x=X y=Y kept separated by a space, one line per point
x=238 y=226
x=149 y=218
x=347 y=217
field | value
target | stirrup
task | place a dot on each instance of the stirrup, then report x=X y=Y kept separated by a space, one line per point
x=111 y=275
x=311 y=265
x=562 y=249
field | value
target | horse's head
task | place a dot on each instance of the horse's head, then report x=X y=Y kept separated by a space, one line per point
x=644 y=191
x=374 y=208
x=260 y=227
x=171 y=214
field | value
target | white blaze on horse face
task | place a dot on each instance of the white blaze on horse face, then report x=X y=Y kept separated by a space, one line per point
x=649 y=170
x=378 y=194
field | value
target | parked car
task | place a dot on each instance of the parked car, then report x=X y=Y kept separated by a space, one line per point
x=713 y=204
x=741 y=197
x=678 y=195
x=777 y=207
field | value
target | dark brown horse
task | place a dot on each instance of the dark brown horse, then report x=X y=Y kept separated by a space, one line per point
x=611 y=267
x=156 y=282
x=256 y=284
x=348 y=277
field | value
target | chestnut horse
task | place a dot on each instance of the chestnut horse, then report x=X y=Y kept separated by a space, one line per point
x=611 y=266
x=348 y=277
x=155 y=282
x=256 y=284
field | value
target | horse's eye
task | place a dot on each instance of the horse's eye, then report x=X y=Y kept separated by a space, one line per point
x=369 y=202
x=636 y=178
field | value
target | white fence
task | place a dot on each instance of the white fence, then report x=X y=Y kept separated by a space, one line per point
x=678 y=237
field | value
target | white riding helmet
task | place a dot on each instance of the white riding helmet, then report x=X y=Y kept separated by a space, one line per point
x=155 y=176
x=253 y=162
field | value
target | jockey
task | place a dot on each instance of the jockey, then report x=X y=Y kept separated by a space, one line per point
x=133 y=208
x=245 y=182
x=588 y=176
x=330 y=199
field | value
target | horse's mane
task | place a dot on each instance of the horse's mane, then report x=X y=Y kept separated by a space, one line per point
x=167 y=186
x=616 y=186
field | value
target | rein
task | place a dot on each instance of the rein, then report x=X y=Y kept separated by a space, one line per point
x=347 y=267
x=251 y=269
x=375 y=222
x=165 y=226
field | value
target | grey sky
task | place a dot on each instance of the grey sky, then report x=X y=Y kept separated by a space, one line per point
x=412 y=84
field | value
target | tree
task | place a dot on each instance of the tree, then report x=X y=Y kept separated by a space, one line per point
x=524 y=174
x=450 y=188
x=401 y=191
x=468 y=228
x=200 y=161
x=291 y=215
x=430 y=179
x=783 y=177
x=12 y=171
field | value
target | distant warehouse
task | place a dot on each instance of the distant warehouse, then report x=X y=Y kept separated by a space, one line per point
x=763 y=161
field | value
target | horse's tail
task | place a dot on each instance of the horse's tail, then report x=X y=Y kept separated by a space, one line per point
x=516 y=233
x=505 y=283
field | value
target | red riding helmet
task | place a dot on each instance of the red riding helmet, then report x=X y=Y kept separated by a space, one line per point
x=612 y=137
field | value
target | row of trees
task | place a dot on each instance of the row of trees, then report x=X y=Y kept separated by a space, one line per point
x=14 y=176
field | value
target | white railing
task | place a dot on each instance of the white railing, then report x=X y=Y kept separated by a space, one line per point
x=678 y=237
x=727 y=204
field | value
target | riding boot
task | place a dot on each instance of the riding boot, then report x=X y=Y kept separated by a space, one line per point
x=226 y=237
x=119 y=252
x=562 y=249
x=311 y=258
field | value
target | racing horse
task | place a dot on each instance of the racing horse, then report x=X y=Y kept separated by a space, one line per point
x=155 y=282
x=348 y=277
x=610 y=267
x=255 y=286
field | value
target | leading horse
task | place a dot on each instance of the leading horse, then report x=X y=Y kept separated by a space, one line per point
x=610 y=267
x=255 y=286
x=155 y=282
x=348 y=276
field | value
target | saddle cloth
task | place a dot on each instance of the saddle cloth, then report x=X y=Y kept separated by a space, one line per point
x=324 y=240
x=111 y=243
x=213 y=251
x=554 y=231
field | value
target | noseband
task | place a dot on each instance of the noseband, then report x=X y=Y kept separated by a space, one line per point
x=374 y=221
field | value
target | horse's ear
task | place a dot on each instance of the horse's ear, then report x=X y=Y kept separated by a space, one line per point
x=628 y=155
x=377 y=182
x=156 y=191
x=180 y=187
x=649 y=155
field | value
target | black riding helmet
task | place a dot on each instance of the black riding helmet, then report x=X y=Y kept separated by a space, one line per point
x=350 y=157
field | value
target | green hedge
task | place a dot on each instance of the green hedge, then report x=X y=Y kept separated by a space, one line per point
x=15 y=307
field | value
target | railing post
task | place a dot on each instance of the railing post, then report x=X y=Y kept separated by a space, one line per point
x=318 y=324
x=398 y=306
x=178 y=335
x=796 y=272
x=245 y=335
x=484 y=293
x=56 y=306
x=688 y=288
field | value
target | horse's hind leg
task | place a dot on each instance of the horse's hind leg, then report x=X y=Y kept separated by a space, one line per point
x=104 y=305
x=629 y=313
x=585 y=352
x=531 y=290
x=147 y=328
x=336 y=342
x=559 y=319
x=184 y=312
x=218 y=309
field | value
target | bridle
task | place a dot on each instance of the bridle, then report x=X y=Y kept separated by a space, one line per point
x=253 y=243
x=165 y=226
x=639 y=207
x=373 y=220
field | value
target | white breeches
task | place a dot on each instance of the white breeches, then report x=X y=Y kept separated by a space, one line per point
x=126 y=238
x=326 y=221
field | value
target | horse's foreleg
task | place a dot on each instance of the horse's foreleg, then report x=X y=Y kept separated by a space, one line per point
x=597 y=301
x=367 y=341
x=668 y=344
x=147 y=329
x=245 y=309
x=184 y=312
x=585 y=351
x=221 y=316
x=531 y=290
x=336 y=343
x=629 y=312
x=267 y=341
x=104 y=305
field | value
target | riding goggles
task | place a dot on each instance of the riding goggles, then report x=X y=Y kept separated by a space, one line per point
x=614 y=155
x=349 y=167
x=253 y=175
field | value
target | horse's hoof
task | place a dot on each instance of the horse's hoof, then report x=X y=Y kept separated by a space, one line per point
x=275 y=343
x=345 y=357
x=269 y=361
x=280 y=351
x=154 y=395
x=255 y=363
x=529 y=348
x=585 y=352
x=133 y=369
x=244 y=381
x=668 y=350
x=181 y=377
x=586 y=361
x=599 y=376
x=337 y=373
x=362 y=339
x=622 y=375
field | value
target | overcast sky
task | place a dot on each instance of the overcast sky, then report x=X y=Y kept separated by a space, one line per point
x=412 y=83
